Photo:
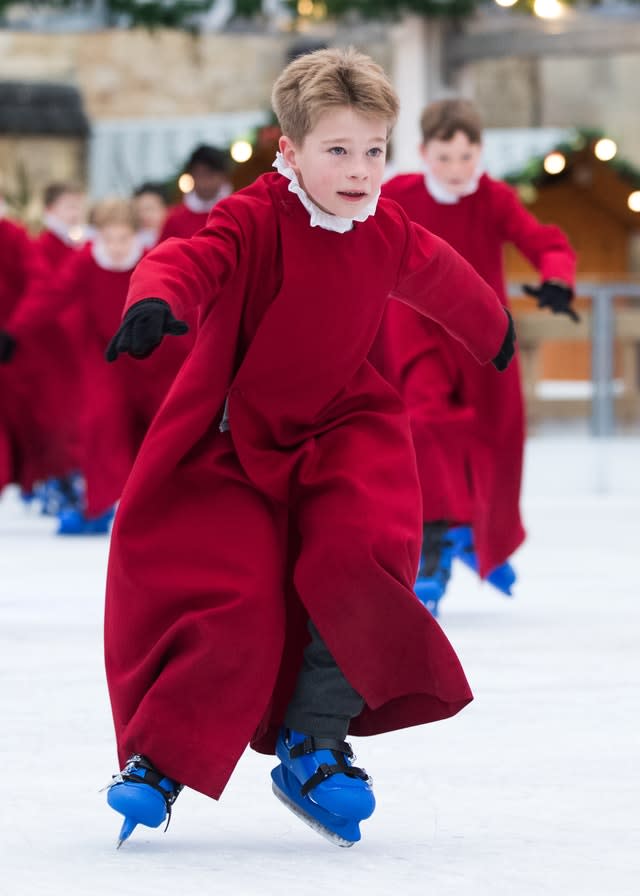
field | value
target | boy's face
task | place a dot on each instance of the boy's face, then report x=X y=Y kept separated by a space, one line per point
x=453 y=162
x=118 y=241
x=340 y=163
x=150 y=211
x=206 y=182
x=69 y=208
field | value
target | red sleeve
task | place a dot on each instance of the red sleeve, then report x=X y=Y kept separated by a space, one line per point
x=544 y=245
x=438 y=283
x=188 y=273
x=14 y=259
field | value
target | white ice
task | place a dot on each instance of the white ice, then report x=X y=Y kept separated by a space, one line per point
x=533 y=789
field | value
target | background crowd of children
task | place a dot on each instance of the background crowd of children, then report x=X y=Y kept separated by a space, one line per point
x=71 y=424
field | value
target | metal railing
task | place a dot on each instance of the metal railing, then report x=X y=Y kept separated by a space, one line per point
x=601 y=332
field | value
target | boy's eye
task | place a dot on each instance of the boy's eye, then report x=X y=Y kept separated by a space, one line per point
x=338 y=150
x=375 y=151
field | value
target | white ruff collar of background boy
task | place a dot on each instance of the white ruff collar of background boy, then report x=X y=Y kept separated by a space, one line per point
x=102 y=259
x=70 y=236
x=318 y=217
x=440 y=192
x=195 y=204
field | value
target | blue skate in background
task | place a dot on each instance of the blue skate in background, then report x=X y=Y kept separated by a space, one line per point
x=72 y=521
x=318 y=783
x=438 y=551
x=59 y=493
x=143 y=795
x=503 y=577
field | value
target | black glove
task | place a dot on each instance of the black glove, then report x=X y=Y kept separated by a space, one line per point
x=508 y=347
x=555 y=296
x=7 y=346
x=143 y=328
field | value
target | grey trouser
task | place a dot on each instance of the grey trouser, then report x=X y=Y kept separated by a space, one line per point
x=324 y=702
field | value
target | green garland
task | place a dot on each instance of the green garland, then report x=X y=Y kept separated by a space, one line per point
x=533 y=173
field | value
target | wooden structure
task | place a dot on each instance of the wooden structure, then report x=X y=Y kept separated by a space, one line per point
x=588 y=200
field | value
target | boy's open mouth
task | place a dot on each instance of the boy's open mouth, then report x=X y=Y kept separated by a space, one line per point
x=352 y=195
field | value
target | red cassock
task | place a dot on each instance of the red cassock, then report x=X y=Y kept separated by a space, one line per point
x=225 y=541
x=47 y=365
x=468 y=421
x=14 y=255
x=117 y=401
x=182 y=222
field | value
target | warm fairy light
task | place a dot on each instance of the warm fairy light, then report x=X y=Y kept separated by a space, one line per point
x=633 y=201
x=605 y=149
x=241 y=151
x=76 y=234
x=554 y=163
x=185 y=183
x=305 y=7
x=506 y=3
x=548 y=9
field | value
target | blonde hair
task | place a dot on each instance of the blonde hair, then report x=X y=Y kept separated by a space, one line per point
x=113 y=211
x=442 y=121
x=325 y=79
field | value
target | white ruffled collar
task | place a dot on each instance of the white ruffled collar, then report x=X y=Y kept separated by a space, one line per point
x=444 y=196
x=102 y=259
x=70 y=236
x=318 y=217
x=195 y=204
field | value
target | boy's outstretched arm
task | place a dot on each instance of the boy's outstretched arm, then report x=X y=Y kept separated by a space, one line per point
x=177 y=275
x=438 y=283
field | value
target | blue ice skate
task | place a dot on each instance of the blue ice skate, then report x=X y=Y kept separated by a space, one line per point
x=316 y=781
x=72 y=521
x=143 y=795
x=438 y=551
x=58 y=494
x=503 y=577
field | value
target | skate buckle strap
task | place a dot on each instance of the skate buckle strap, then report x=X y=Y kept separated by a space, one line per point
x=152 y=777
x=339 y=749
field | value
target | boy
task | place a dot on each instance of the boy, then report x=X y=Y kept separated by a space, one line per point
x=209 y=168
x=469 y=457
x=151 y=207
x=277 y=486
x=45 y=366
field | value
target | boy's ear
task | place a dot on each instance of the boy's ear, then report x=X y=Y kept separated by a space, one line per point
x=288 y=149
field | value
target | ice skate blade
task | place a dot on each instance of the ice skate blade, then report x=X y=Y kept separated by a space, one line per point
x=311 y=822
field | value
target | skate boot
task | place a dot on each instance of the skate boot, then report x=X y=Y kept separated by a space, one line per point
x=435 y=567
x=72 y=521
x=143 y=795
x=316 y=781
x=503 y=577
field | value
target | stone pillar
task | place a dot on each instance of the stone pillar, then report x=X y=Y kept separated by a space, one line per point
x=417 y=71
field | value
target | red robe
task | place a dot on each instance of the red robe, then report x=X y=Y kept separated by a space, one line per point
x=117 y=401
x=182 y=222
x=224 y=541
x=467 y=421
x=47 y=365
x=14 y=255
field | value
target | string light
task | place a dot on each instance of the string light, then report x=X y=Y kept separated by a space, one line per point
x=554 y=163
x=186 y=183
x=633 y=201
x=548 y=9
x=605 y=149
x=506 y=3
x=241 y=151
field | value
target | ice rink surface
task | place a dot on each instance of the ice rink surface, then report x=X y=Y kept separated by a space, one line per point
x=533 y=789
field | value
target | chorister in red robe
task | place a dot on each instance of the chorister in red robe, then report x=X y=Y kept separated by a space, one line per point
x=278 y=481
x=116 y=403
x=47 y=363
x=468 y=421
x=190 y=215
x=14 y=255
